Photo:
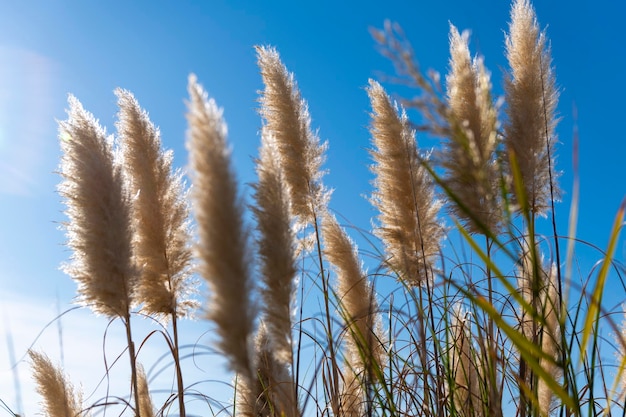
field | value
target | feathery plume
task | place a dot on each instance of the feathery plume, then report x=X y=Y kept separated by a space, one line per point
x=272 y=392
x=531 y=98
x=469 y=152
x=467 y=397
x=59 y=399
x=223 y=239
x=247 y=392
x=404 y=193
x=539 y=290
x=358 y=307
x=146 y=408
x=276 y=246
x=352 y=394
x=99 y=228
x=300 y=152
x=550 y=341
x=278 y=393
x=160 y=214
x=356 y=298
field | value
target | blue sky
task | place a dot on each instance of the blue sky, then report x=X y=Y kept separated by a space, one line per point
x=49 y=49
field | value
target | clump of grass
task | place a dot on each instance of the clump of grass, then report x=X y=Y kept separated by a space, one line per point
x=480 y=330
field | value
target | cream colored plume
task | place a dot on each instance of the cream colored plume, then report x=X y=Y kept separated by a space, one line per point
x=356 y=299
x=539 y=289
x=404 y=194
x=364 y=352
x=299 y=151
x=223 y=240
x=465 y=365
x=272 y=392
x=58 y=396
x=146 y=408
x=531 y=99
x=277 y=248
x=98 y=207
x=469 y=152
x=160 y=214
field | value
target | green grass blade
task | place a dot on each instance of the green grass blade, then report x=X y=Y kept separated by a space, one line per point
x=593 y=315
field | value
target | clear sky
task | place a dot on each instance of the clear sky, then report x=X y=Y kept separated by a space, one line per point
x=49 y=49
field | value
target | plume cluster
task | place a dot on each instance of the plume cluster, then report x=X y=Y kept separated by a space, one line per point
x=129 y=233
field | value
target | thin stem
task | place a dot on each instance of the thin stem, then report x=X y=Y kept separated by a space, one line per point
x=179 y=372
x=329 y=333
x=133 y=363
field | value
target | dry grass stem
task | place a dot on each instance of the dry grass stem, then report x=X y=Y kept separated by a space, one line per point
x=531 y=98
x=160 y=214
x=404 y=193
x=223 y=240
x=276 y=248
x=98 y=207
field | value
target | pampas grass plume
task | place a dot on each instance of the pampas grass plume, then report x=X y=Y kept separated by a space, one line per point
x=59 y=398
x=404 y=193
x=223 y=240
x=146 y=408
x=531 y=98
x=160 y=214
x=356 y=298
x=276 y=247
x=467 y=394
x=469 y=152
x=299 y=150
x=98 y=207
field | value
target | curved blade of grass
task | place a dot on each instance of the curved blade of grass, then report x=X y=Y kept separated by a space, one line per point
x=494 y=268
x=528 y=350
x=593 y=314
x=531 y=352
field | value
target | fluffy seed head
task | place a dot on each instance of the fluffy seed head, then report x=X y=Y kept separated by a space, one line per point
x=59 y=399
x=276 y=246
x=299 y=151
x=98 y=207
x=469 y=152
x=531 y=99
x=160 y=214
x=223 y=239
x=404 y=193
